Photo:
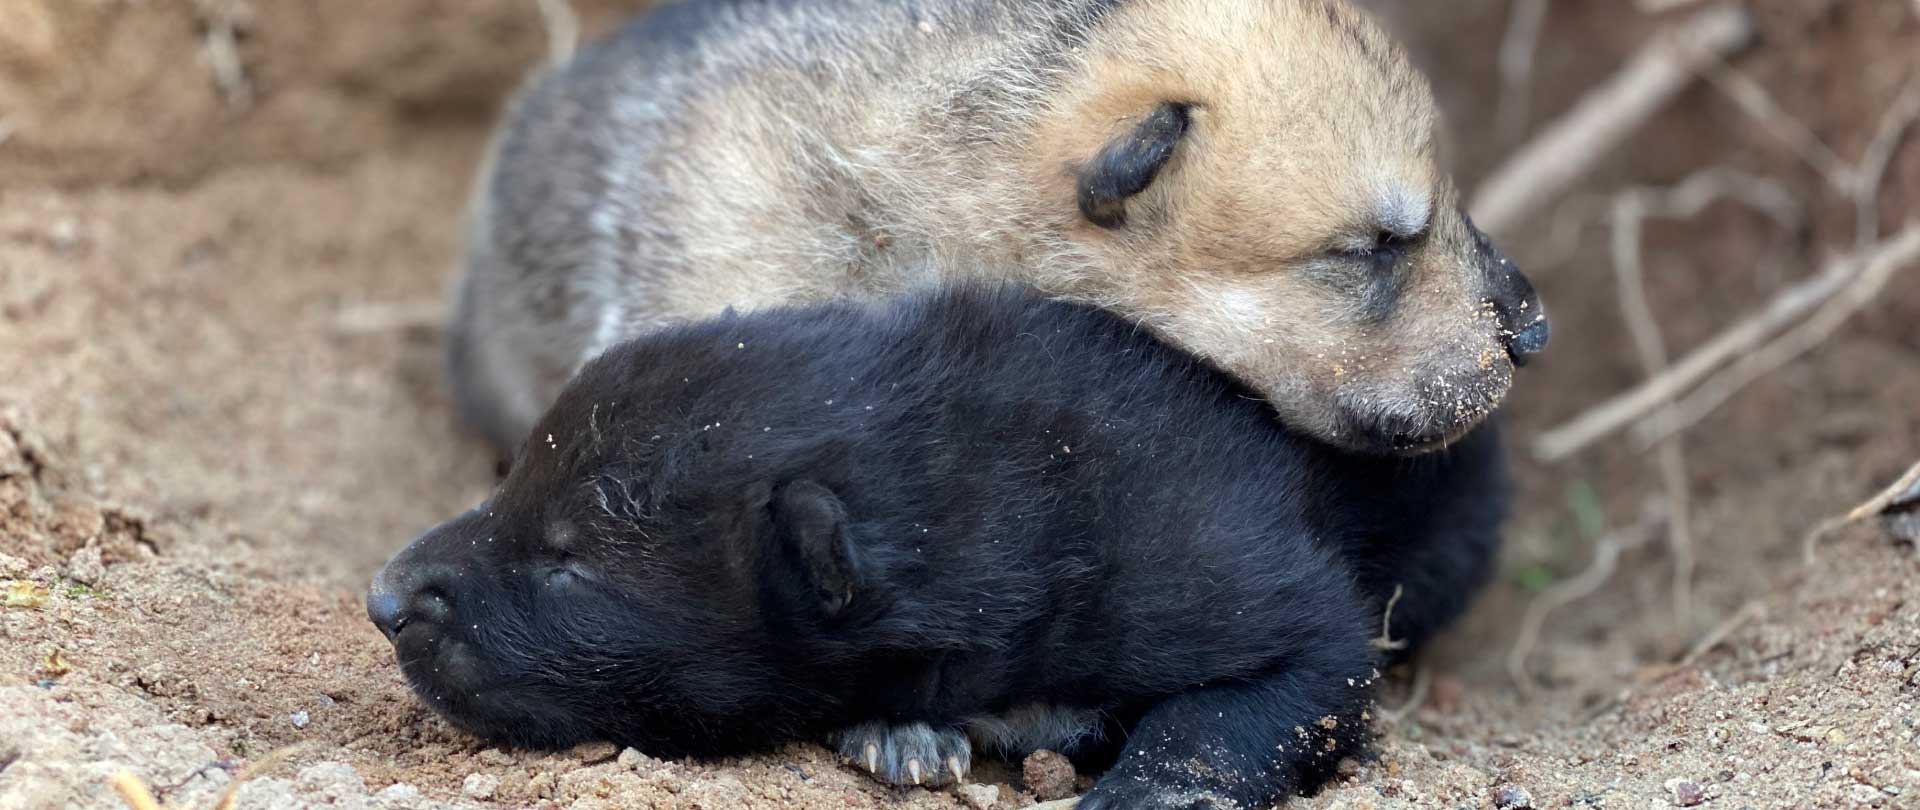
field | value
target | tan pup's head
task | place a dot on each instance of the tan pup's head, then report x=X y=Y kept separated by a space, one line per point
x=1257 y=180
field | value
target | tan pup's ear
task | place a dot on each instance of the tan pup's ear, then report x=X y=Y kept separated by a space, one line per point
x=1127 y=165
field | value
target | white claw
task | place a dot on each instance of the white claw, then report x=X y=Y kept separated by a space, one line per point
x=913 y=770
x=953 y=764
x=873 y=758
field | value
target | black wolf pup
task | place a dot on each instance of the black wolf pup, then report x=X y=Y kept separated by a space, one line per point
x=965 y=518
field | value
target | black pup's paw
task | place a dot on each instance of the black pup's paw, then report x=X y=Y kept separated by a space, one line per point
x=908 y=754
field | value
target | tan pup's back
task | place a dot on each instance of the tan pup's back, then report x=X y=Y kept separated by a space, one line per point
x=1253 y=179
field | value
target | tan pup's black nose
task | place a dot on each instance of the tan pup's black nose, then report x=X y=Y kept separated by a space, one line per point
x=1529 y=341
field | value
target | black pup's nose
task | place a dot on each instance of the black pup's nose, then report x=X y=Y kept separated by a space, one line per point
x=409 y=591
x=386 y=610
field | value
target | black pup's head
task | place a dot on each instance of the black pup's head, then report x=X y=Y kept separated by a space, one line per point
x=630 y=580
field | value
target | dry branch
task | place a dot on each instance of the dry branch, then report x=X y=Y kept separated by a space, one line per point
x=1751 y=611
x=1517 y=48
x=1568 y=148
x=1785 y=308
x=382 y=318
x=1416 y=697
x=1630 y=210
x=132 y=791
x=1873 y=165
x=1386 y=641
x=223 y=58
x=1872 y=506
x=1662 y=6
x=1758 y=104
x=563 y=29
x=1862 y=288
x=135 y=793
x=1606 y=556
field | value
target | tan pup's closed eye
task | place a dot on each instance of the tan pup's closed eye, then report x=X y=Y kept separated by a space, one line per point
x=1254 y=180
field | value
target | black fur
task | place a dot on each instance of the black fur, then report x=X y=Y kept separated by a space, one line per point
x=1128 y=164
x=924 y=515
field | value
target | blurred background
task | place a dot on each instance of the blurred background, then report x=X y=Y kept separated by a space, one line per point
x=226 y=229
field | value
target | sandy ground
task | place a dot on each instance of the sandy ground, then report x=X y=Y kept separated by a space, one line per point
x=221 y=407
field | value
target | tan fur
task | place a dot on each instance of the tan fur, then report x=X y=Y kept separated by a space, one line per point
x=787 y=171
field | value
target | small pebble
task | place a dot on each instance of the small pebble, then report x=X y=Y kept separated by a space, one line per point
x=1512 y=797
x=541 y=784
x=11 y=566
x=632 y=759
x=480 y=786
x=298 y=719
x=594 y=753
x=1047 y=775
x=1686 y=792
x=398 y=795
x=979 y=797
x=86 y=567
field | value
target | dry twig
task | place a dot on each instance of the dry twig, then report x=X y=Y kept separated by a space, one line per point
x=133 y=791
x=1416 y=697
x=1606 y=556
x=223 y=58
x=1386 y=641
x=1566 y=149
x=1872 y=506
x=1873 y=164
x=1662 y=6
x=1751 y=611
x=253 y=769
x=1629 y=211
x=1525 y=18
x=563 y=29
x=1570 y=220
x=380 y=318
x=1758 y=104
x=138 y=797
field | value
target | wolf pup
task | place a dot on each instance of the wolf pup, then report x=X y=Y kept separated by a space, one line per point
x=959 y=518
x=1253 y=180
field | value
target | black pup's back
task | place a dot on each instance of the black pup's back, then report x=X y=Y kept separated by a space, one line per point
x=967 y=510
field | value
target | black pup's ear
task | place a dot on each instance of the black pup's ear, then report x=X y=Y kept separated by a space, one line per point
x=813 y=522
x=1127 y=164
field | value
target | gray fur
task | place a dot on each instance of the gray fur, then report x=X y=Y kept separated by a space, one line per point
x=572 y=244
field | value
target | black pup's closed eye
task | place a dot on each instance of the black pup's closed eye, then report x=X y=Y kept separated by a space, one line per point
x=565 y=571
